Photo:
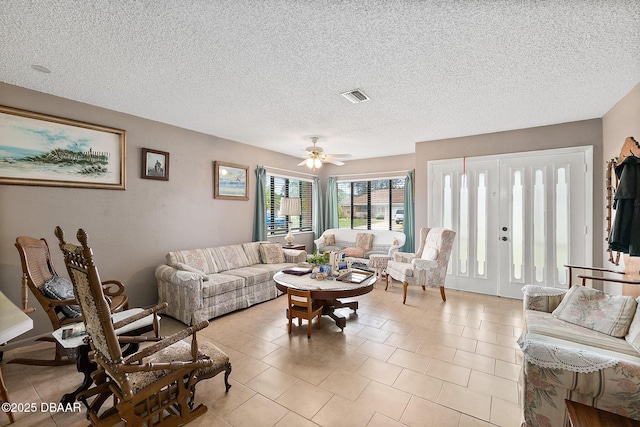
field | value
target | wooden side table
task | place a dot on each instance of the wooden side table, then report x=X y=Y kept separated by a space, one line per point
x=297 y=247
x=587 y=416
x=13 y=322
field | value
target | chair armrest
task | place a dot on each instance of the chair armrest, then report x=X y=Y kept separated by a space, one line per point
x=112 y=288
x=147 y=351
x=60 y=302
x=424 y=264
x=141 y=315
x=607 y=279
x=403 y=256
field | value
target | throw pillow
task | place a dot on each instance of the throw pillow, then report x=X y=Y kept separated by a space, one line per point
x=60 y=288
x=595 y=310
x=633 y=337
x=329 y=239
x=430 y=254
x=271 y=253
x=185 y=267
x=364 y=241
x=353 y=252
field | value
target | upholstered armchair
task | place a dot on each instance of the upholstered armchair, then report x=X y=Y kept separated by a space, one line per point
x=428 y=266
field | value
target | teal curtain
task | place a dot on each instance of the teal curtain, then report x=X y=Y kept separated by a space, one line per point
x=318 y=220
x=331 y=213
x=409 y=214
x=260 y=214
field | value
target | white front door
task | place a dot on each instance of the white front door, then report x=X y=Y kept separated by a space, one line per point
x=519 y=218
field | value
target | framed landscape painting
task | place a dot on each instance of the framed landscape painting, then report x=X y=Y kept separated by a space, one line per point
x=155 y=164
x=231 y=182
x=38 y=149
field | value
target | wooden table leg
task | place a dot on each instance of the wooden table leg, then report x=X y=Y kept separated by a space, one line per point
x=329 y=307
x=85 y=366
x=4 y=396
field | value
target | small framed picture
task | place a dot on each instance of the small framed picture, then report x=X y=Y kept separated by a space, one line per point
x=155 y=164
x=231 y=181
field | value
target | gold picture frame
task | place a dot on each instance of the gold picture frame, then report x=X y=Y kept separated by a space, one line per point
x=230 y=181
x=43 y=150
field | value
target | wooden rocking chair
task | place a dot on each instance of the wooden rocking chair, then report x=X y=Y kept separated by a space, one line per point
x=156 y=385
x=37 y=273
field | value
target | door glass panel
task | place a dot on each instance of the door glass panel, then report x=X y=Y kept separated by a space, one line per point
x=481 y=226
x=562 y=225
x=447 y=204
x=517 y=226
x=464 y=226
x=538 y=226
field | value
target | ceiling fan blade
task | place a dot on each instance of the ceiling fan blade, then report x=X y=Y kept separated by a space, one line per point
x=302 y=163
x=333 y=161
x=339 y=156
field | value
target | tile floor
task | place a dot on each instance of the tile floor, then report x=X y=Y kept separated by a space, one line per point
x=427 y=363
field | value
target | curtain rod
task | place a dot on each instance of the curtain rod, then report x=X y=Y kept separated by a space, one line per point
x=372 y=173
x=288 y=171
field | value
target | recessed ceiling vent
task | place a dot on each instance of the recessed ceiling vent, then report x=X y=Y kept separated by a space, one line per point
x=356 y=96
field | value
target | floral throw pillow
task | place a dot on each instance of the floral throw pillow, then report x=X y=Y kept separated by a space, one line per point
x=329 y=239
x=364 y=241
x=271 y=253
x=633 y=337
x=593 y=309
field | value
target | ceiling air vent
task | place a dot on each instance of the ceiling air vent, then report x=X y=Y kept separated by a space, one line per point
x=356 y=96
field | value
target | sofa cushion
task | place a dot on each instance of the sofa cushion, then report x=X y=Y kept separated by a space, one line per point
x=593 y=309
x=544 y=324
x=430 y=254
x=633 y=336
x=335 y=248
x=364 y=241
x=271 y=253
x=329 y=239
x=251 y=275
x=200 y=259
x=221 y=283
x=353 y=252
x=229 y=257
x=61 y=289
x=252 y=250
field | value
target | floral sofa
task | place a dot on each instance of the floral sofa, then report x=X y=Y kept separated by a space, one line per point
x=360 y=243
x=200 y=284
x=581 y=345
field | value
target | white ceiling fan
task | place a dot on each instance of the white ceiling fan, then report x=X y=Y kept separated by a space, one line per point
x=316 y=156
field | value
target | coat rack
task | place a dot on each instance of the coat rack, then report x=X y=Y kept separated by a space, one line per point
x=631 y=147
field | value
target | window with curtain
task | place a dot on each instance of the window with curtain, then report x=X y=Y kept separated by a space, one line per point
x=279 y=187
x=371 y=204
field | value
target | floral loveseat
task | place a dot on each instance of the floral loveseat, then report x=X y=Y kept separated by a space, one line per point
x=360 y=243
x=581 y=345
x=200 y=284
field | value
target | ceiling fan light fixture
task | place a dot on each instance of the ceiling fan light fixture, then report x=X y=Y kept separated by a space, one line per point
x=317 y=163
x=309 y=163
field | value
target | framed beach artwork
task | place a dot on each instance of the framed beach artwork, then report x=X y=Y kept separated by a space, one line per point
x=155 y=164
x=38 y=149
x=230 y=181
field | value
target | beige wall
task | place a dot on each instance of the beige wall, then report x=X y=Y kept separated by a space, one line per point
x=588 y=132
x=132 y=230
x=622 y=121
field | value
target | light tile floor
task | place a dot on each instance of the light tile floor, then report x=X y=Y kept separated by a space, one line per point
x=426 y=363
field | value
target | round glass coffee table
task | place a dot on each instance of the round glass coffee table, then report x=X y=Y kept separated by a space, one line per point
x=327 y=293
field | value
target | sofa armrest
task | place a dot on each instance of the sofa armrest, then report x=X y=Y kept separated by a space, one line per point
x=295 y=255
x=319 y=243
x=182 y=290
x=542 y=298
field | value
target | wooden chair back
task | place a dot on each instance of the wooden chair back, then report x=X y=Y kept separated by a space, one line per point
x=88 y=290
x=300 y=305
x=37 y=269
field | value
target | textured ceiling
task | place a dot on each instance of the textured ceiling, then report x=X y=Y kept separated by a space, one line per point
x=270 y=73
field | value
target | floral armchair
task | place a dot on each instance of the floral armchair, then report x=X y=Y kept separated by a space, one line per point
x=428 y=266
